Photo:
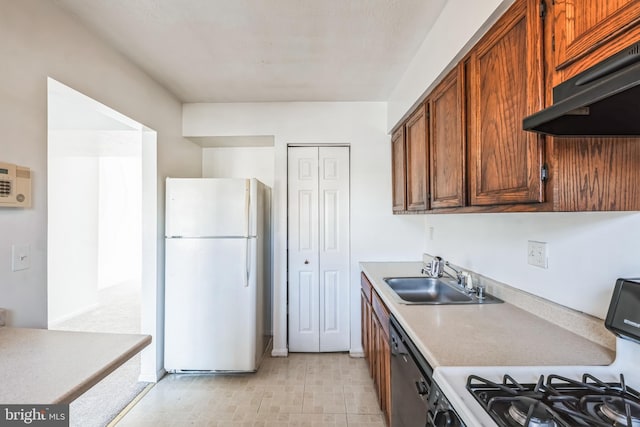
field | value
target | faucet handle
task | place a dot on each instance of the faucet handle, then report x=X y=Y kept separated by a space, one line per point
x=437 y=267
x=480 y=292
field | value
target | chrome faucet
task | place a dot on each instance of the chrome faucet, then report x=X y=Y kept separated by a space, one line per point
x=460 y=276
x=435 y=268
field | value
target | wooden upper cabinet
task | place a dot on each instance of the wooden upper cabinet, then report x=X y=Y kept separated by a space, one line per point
x=592 y=174
x=447 y=141
x=399 y=171
x=505 y=71
x=417 y=161
x=582 y=28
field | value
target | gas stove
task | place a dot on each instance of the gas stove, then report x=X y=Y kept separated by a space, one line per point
x=557 y=396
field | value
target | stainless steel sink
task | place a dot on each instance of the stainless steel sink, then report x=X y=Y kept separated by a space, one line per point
x=432 y=290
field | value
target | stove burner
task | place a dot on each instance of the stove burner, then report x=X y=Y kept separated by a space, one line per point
x=540 y=417
x=560 y=402
x=616 y=411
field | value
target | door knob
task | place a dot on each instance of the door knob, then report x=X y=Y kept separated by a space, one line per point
x=306 y=261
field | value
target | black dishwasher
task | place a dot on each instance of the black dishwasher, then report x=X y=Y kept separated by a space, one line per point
x=415 y=398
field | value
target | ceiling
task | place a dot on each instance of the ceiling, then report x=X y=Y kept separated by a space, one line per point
x=265 y=50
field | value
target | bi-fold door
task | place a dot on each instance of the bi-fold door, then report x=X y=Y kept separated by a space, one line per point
x=318 y=246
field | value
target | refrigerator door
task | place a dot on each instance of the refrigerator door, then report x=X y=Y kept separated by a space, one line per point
x=210 y=207
x=210 y=305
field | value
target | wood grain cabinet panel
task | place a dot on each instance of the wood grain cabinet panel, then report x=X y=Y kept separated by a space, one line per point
x=592 y=174
x=597 y=174
x=506 y=84
x=447 y=141
x=375 y=341
x=384 y=373
x=417 y=161
x=587 y=31
x=399 y=171
x=365 y=317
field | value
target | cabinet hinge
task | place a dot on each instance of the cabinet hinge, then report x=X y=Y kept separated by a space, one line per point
x=543 y=9
x=544 y=173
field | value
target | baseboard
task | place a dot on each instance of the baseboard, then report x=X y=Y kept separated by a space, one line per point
x=152 y=378
x=55 y=323
x=279 y=352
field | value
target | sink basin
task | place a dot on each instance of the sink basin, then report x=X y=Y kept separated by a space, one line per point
x=432 y=290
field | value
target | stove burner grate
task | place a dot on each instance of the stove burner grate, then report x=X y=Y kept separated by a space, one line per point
x=560 y=402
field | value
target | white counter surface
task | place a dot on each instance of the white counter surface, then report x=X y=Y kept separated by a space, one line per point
x=39 y=366
x=481 y=335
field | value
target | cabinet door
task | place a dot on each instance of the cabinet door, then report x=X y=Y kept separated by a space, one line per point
x=375 y=352
x=583 y=26
x=417 y=161
x=505 y=72
x=399 y=171
x=447 y=141
x=381 y=318
x=365 y=320
x=385 y=377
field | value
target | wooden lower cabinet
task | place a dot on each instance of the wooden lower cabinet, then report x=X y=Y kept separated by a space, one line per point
x=384 y=374
x=375 y=344
x=367 y=332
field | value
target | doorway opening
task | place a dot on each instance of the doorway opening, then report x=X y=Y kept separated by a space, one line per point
x=100 y=165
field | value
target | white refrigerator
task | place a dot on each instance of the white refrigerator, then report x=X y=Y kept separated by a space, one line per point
x=217 y=274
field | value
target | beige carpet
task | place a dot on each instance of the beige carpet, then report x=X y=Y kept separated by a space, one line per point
x=118 y=311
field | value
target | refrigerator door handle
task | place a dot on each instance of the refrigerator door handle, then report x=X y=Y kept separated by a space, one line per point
x=247 y=206
x=247 y=259
x=247 y=213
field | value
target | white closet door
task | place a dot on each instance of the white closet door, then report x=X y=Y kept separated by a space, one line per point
x=334 y=248
x=318 y=215
x=304 y=327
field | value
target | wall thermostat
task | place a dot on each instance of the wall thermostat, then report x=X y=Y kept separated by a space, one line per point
x=15 y=186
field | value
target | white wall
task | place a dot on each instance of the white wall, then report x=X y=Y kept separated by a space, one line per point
x=38 y=40
x=239 y=162
x=587 y=251
x=376 y=234
x=119 y=218
x=73 y=211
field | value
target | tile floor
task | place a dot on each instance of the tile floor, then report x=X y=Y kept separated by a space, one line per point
x=300 y=390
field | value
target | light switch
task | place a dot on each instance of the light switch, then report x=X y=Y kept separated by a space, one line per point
x=20 y=257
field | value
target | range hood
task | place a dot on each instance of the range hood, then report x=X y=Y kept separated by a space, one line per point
x=603 y=100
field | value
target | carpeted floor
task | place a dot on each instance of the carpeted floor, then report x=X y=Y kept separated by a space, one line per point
x=118 y=311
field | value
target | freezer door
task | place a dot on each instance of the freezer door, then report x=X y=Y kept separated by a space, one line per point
x=210 y=305
x=210 y=207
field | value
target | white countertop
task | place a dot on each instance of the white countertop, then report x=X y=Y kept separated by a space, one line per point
x=40 y=366
x=482 y=335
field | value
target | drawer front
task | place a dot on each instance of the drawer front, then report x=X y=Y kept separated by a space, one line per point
x=382 y=313
x=366 y=286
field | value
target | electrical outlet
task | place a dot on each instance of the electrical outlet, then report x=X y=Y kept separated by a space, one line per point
x=537 y=254
x=20 y=257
